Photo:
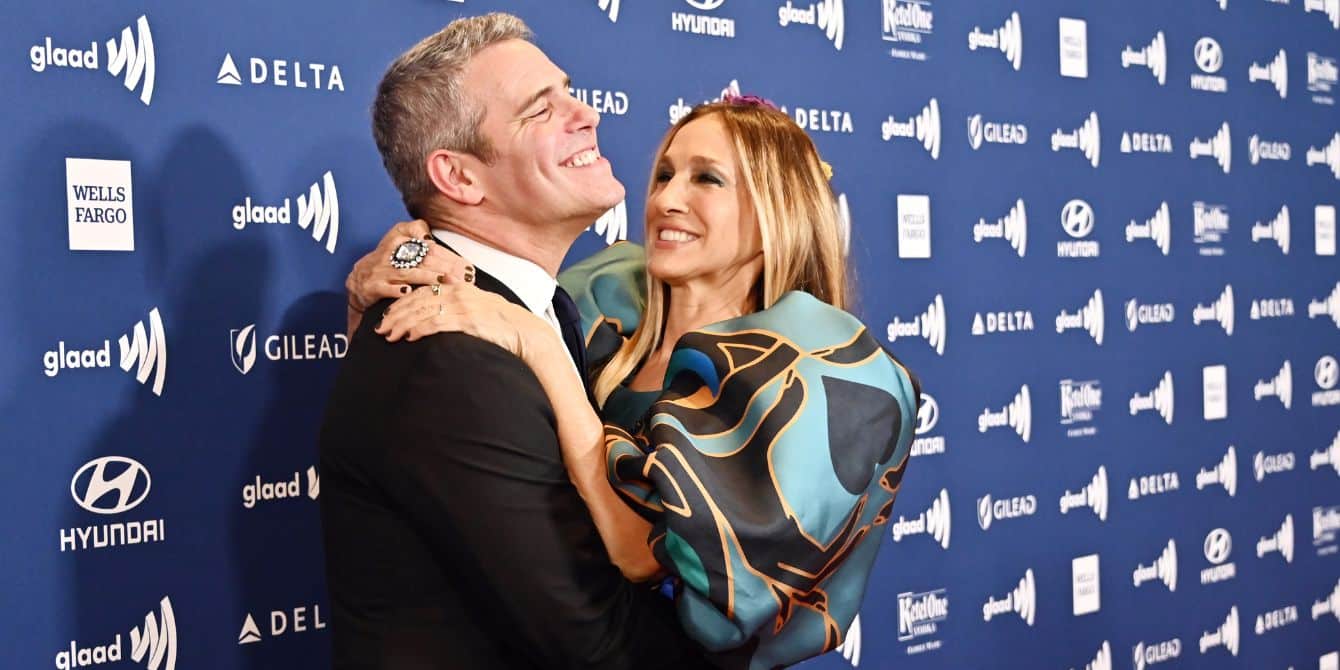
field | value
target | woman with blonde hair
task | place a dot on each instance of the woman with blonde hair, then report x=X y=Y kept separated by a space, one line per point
x=751 y=435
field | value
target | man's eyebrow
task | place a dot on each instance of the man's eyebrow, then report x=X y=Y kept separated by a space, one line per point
x=567 y=81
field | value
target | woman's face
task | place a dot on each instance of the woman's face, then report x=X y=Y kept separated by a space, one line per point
x=701 y=225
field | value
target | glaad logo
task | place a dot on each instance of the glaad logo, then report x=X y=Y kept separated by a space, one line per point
x=1331 y=8
x=994 y=132
x=1018 y=415
x=1138 y=314
x=928 y=415
x=929 y=325
x=1086 y=594
x=146 y=352
x=1324 y=218
x=1160 y=399
x=1144 y=486
x=1153 y=56
x=1007 y=39
x=1146 y=143
x=1224 y=473
x=1073 y=35
x=1327 y=456
x=283 y=622
x=701 y=24
x=851 y=643
x=133 y=56
x=111 y=485
x=1220 y=311
x=1280 y=386
x=1276 y=72
x=259 y=491
x=1328 y=155
x=1013 y=228
x=1089 y=318
x=1326 y=520
x=284 y=347
x=1080 y=400
x=1280 y=541
x=1325 y=373
x=1211 y=225
x=611 y=9
x=924 y=127
x=612 y=226
x=1328 y=306
x=1164 y=569
x=827 y=15
x=907 y=22
x=1022 y=600
x=1329 y=604
x=154 y=645
x=989 y=510
x=1101 y=660
x=1226 y=635
x=919 y=615
x=914 y=226
x=1322 y=77
x=1218 y=546
x=1276 y=229
x=935 y=522
x=318 y=209
x=100 y=203
x=1086 y=139
x=1262 y=150
x=1019 y=320
x=1219 y=147
x=1077 y=220
x=1156 y=653
x=1093 y=495
x=275 y=72
x=1209 y=58
x=1157 y=228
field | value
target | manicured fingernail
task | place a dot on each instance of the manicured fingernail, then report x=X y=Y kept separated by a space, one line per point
x=441 y=279
x=404 y=289
x=429 y=236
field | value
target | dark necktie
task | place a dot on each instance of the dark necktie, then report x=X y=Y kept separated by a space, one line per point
x=570 y=322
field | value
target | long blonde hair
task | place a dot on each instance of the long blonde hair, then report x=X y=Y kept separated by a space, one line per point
x=798 y=221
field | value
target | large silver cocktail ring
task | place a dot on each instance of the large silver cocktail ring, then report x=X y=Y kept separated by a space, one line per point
x=409 y=254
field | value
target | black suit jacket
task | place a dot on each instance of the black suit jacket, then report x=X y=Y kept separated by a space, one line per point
x=453 y=536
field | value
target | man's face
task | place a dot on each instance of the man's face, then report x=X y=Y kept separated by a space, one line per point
x=548 y=170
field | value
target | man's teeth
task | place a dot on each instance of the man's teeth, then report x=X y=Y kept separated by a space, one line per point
x=583 y=159
x=676 y=236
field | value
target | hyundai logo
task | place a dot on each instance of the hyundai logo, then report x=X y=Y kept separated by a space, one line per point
x=928 y=414
x=1217 y=546
x=1209 y=57
x=1077 y=218
x=1326 y=372
x=110 y=485
x=705 y=5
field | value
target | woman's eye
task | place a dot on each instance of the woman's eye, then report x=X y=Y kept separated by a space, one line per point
x=709 y=178
x=663 y=176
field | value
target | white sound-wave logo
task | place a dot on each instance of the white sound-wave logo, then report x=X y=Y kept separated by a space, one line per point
x=1276 y=229
x=1153 y=56
x=1276 y=72
x=1269 y=464
x=1101 y=660
x=1280 y=541
x=146 y=352
x=827 y=15
x=929 y=325
x=1331 y=8
x=1328 y=155
x=1219 y=147
x=1087 y=139
x=155 y=644
x=1160 y=399
x=1021 y=600
x=1328 y=306
x=1226 y=635
x=1329 y=604
x=1157 y=228
x=1093 y=495
x=1008 y=39
x=1013 y=228
x=1089 y=318
x=612 y=226
x=611 y=9
x=924 y=127
x=1280 y=386
x=1327 y=456
x=1163 y=568
x=1018 y=415
x=320 y=211
x=1224 y=473
x=131 y=59
x=935 y=521
x=1221 y=311
x=851 y=643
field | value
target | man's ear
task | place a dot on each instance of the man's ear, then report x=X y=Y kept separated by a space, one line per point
x=453 y=175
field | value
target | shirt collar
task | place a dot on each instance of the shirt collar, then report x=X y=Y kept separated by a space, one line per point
x=527 y=280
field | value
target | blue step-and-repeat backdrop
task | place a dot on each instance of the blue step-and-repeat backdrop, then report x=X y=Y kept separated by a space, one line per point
x=1102 y=233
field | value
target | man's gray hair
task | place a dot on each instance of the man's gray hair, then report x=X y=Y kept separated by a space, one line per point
x=421 y=106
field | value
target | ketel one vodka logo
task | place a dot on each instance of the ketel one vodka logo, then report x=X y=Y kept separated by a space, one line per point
x=153 y=646
x=131 y=59
x=1080 y=401
x=282 y=73
x=110 y=486
x=919 y=614
x=826 y=15
x=1323 y=75
x=318 y=211
x=262 y=491
x=143 y=353
x=907 y=23
x=284 y=347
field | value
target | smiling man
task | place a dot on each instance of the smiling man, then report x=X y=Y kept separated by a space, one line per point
x=454 y=538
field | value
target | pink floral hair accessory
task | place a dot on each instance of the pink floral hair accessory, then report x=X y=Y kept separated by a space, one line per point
x=748 y=101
